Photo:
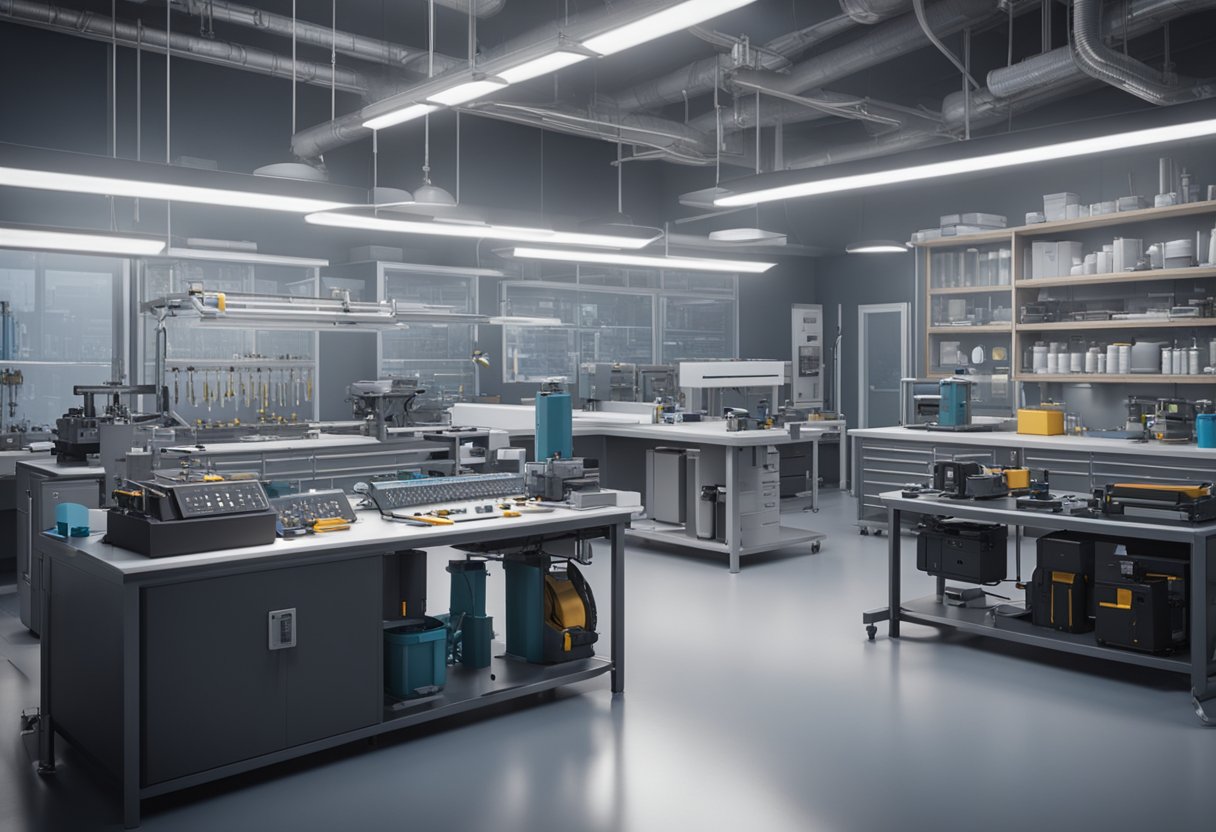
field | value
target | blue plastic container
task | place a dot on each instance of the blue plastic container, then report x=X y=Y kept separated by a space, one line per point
x=1205 y=430
x=71 y=520
x=416 y=658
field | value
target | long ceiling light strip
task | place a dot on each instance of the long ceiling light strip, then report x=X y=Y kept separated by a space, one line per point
x=992 y=161
x=45 y=180
x=79 y=241
x=497 y=76
x=673 y=19
x=238 y=256
x=401 y=116
x=476 y=231
x=698 y=264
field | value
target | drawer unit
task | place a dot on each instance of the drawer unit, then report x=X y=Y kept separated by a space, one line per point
x=884 y=465
x=1108 y=468
x=1069 y=470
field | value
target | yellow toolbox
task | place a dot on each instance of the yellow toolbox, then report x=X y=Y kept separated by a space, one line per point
x=1041 y=422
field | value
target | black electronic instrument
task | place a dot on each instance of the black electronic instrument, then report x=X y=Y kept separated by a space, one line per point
x=165 y=519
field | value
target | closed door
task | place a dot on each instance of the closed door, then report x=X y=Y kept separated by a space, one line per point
x=882 y=360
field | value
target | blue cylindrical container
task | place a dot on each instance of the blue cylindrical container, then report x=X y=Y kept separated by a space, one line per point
x=1205 y=430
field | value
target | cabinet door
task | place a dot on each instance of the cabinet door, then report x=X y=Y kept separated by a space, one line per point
x=333 y=673
x=215 y=693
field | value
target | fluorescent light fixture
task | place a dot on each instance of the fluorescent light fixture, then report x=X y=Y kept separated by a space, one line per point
x=540 y=66
x=975 y=164
x=82 y=241
x=45 y=180
x=467 y=91
x=238 y=256
x=671 y=19
x=697 y=264
x=476 y=231
x=408 y=113
x=876 y=247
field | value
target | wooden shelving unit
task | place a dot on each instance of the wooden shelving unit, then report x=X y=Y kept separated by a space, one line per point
x=1117 y=278
x=967 y=290
x=962 y=330
x=1139 y=323
x=1107 y=378
x=1021 y=290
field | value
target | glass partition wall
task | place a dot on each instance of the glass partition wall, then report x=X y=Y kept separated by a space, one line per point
x=61 y=324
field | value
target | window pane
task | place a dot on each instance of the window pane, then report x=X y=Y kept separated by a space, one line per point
x=697 y=329
x=438 y=355
x=58 y=330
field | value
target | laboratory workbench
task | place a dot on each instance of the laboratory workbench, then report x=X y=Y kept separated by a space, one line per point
x=734 y=459
x=889 y=458
x=930 y=610
x=158 y=669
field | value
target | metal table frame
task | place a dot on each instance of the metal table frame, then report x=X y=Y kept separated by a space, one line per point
x=607 y=524
x=1200 y=538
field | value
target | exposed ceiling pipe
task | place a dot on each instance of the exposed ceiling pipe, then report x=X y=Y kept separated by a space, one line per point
x=869 y=12
x=882 y=43
x=313 y=34
x=1022 y=87
x=700 y=76
x=191 y=47
x=673 y=137
x=1058 y=65
x=1100 y=61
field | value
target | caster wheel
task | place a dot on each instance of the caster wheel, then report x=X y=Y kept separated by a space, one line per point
x=864 y=531
x=871 y=631
x=815 y=547
x=878 y=532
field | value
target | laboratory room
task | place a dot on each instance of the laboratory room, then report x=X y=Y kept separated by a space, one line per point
x=607 y=415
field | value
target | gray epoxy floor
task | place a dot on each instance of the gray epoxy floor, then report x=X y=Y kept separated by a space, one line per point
x=753 y=702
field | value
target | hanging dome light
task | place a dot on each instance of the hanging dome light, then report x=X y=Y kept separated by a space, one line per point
x=293 y=170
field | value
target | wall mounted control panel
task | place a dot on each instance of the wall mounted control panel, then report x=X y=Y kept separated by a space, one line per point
x=806 y=378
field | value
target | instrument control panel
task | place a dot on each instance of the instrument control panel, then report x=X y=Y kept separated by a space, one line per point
x=399 y=494
x=299 y=510
x=211 y=499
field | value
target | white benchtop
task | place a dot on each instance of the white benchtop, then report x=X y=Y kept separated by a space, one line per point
x=369 y=533
x=520 y=420
x=1083 y=444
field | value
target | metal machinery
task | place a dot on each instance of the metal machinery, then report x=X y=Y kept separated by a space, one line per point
x=607 y=382
x=806 y=380
x=615 y=381
x=383 y=404
x=556 y=471
x=79 y=431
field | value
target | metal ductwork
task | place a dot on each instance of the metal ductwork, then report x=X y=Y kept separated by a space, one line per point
x=313 y=34
x=1058 y=65
x=1033 y=83
x=678 y=141
x=869 y=12
x=793 y=44
x=857 y=151
x=700 y=77
x=1100 y=61
x=191 y=47
x=882 y=43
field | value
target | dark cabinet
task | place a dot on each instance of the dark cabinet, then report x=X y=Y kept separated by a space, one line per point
x=221 y=694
